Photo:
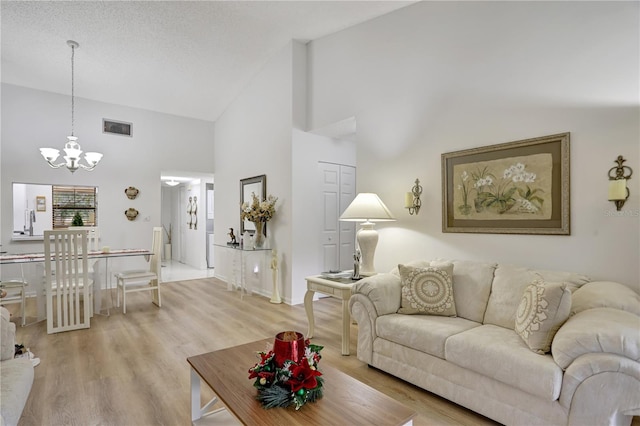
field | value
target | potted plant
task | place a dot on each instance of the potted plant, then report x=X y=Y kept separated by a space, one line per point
x=77 y=220
x=167 y=246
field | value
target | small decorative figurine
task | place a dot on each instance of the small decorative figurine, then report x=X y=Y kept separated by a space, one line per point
x=232 y=237
x=275 y=294
x=189 y=211
x=356 y=265
x=194 y=212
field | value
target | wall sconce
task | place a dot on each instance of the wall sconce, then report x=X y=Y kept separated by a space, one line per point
x=618 y=191
x=412 y=199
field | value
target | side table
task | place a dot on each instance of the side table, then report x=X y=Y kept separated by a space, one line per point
x=335 y=287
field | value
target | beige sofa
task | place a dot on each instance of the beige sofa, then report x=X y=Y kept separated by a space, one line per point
x=16 y=375
x=478 y=360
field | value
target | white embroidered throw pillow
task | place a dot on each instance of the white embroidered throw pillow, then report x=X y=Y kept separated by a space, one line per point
x=427 y=291
x=542 y=311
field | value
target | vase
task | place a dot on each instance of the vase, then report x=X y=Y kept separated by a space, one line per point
x=258 y=237
x=288 y=346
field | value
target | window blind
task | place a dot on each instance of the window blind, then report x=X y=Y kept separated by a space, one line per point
x=68 y=200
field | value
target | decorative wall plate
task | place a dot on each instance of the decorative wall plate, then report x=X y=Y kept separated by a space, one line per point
x=131 y=213
x=131 y=192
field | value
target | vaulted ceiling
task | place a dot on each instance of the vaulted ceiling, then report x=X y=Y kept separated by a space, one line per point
x=188 y=58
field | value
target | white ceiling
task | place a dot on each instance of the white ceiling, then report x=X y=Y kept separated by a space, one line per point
x=188 y=58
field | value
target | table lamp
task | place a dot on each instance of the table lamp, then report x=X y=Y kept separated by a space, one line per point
x=367 y=208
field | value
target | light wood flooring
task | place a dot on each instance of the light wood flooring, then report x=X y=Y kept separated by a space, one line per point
x=131 y=369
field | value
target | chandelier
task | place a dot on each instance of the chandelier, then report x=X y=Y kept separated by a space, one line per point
x=72 y=147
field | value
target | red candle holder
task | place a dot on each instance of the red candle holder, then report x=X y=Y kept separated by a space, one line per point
x=288 y=350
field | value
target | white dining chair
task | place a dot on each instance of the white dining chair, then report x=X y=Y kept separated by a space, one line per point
x=67 y=281
x=143 y=280
x=16 y=293
x=93 y=244
x=93 y=236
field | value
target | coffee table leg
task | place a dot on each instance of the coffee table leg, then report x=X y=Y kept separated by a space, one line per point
x=198 y=412
x=308 y=306
x=195 y=396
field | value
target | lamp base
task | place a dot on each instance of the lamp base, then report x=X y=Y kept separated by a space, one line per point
x=367 y=240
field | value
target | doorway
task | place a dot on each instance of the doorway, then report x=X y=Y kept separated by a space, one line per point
x=185 y=217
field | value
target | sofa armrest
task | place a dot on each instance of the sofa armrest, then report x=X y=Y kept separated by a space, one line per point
x=16 y=376
x=601 y=388
x=605 y=294
x=383 y=290
x=7 y=335
x=597 y=330
x=371 y=297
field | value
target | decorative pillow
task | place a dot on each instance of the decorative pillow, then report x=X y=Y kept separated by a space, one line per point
x=543 y=309
x=427 y=291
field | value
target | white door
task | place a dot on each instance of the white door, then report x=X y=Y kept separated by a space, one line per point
x=337 y=238
x=347 y=229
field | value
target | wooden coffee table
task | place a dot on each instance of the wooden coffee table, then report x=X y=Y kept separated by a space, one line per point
x=346 y=401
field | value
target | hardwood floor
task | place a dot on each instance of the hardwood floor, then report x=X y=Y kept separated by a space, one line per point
x=131 y=369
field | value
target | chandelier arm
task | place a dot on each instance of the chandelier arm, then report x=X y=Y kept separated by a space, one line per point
x=87 y=168
x=55 y=166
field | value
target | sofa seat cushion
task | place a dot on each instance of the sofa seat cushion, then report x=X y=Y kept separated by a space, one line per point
x=424 y=333
x=499 y=353
x=16 y=379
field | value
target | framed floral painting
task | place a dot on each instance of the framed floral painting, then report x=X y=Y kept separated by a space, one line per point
x=519 y=187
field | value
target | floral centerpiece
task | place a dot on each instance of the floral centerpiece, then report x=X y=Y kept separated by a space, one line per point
x=258 y=212
x=282 y=381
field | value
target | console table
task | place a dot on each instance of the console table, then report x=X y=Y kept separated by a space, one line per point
x=239 y=260
x=335 y=287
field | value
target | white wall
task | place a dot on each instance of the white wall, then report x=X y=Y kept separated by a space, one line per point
x=32 y=119
x=262 y=133
x=308 y=150
x=253 y=137
x=437 y=77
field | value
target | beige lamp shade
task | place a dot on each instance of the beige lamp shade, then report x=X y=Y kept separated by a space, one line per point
x=368 y=208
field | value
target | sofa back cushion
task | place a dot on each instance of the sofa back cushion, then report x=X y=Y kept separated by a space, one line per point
x=508 y=287
x=471 y=284
x=471 y=288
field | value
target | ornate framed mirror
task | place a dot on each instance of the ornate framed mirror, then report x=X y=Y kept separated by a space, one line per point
x=258 y=186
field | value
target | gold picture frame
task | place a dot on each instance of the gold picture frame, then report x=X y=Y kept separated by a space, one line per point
x=41 y=203
x=519 y=187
